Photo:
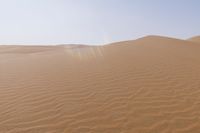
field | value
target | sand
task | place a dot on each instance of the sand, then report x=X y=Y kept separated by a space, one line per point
x=149 y=85
x=195 y=39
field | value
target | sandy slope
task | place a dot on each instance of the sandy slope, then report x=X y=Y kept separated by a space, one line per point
x=195 y=39
x=150 y=85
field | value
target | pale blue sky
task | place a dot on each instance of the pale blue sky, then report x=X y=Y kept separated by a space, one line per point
x=95 y=21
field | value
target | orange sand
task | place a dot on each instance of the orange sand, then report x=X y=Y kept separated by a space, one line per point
x=150 y=85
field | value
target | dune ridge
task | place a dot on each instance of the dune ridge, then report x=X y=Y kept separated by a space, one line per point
x=195 y=39
x=149 y=85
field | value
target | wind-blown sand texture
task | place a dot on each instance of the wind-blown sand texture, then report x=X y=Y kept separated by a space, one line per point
x=150 y=85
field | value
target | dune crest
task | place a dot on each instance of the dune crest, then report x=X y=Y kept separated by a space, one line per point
x=195 y=39
x=149 y=85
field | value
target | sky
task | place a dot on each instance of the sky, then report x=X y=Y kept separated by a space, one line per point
x=95 y=22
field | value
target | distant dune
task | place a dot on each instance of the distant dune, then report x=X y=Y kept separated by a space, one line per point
x=195 y=39
x=149 y=85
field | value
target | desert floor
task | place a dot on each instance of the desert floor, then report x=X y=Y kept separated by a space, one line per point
x=149 y=85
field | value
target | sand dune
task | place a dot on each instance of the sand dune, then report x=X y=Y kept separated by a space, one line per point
x=195 y=39
x=149 y=85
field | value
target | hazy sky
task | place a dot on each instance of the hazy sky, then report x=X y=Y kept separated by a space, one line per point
x=95 y=21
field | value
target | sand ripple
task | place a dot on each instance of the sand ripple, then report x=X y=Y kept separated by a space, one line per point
x=151 y=85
